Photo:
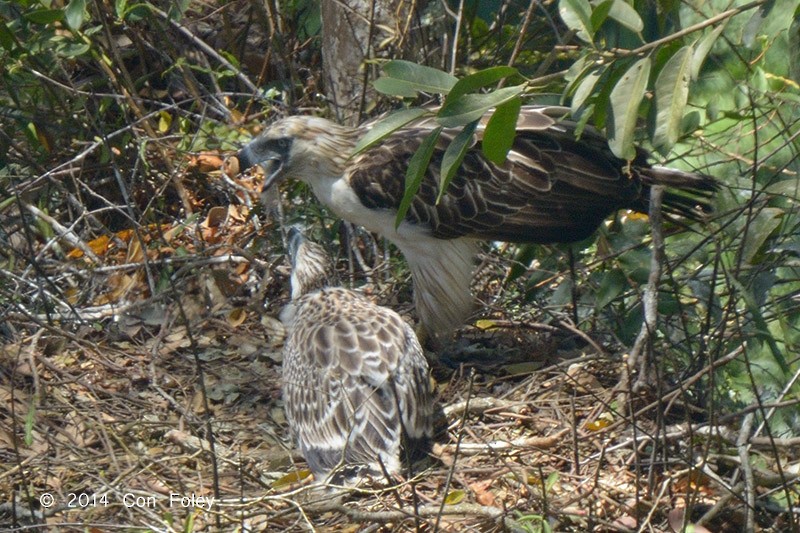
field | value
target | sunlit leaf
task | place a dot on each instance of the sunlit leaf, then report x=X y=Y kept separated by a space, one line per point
x=291 y=478
x=703 y=47
x=625 y=14
x=404 y=78
x=757 y=19
x=454 y=496
x=500 y=131
x=794 y=47
x=486 y=324
x=471 y=107
x=30 y=419
x=75 y=13
x=120 y=6
x=600 y=13
x=597 y=425
x=387 y=126
x=551 y=480
x=483 y=78
x=577 y=15
x=416 y=171
x=625 y=99
x=585 y=89
x=672 y=93
x=164 y=121
x=395 y=87
x=454 y=155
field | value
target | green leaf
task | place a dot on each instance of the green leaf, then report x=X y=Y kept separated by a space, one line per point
x=625 y=14
x=757 y=20
x=416 y=171
x=584 y=89
x=794 y=47
x=500 y=131
x=611 y=286
x=387 y=126
x=454 y=155
x=672 y=93
x=44 y=16
x=74 y=13
x=30 y=419
x=395 y=87
x=600 y=13
x=551 y=480
x=473 y=82
x=577 y=15
x=760 y=322
x=454 y=496
x=471 y=107
x=406 y=79
x=119 y=8
x=704 y=47
x=291 y=478
x=625 y=99
x=6 y=37
x=761 y=227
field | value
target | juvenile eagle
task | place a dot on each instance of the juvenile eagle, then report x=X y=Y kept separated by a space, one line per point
x=356 y=384
x=553 y=187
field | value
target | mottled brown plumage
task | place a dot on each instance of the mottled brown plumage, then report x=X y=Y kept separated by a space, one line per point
x=356 y=383
x=552 y=188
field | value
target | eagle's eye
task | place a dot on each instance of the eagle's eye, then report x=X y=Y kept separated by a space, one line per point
x=283 y=143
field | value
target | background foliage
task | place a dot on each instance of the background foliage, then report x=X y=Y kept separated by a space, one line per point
x=115 y=114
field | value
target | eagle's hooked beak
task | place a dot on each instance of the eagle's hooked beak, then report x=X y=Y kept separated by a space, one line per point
x=258 y=152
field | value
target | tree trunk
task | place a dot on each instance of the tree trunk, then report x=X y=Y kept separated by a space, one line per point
x=352 y=32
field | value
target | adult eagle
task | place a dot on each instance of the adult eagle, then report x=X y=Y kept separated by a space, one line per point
x=553 y=187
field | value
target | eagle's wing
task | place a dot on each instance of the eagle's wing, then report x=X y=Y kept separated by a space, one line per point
x=552 y=187
x=349 y=368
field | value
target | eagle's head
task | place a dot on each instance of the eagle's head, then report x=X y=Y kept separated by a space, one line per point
x=312 y=267
x=299 y=147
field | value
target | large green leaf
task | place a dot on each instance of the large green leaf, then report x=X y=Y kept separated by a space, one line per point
x=75 y=13
x=416 y=171
x=500 y=131
x=387 y=126
x=761 y=227
x=44 y=16
x=704 y=47
x=404 y=78
x=794 y=47
x=625 y=14
x=454 y=155
x=577 y=15
x=585 y=88
x=473 y=82
x=471 y=107
x=613 y=283
x=6 y=37
x=757 y=20
x=600 y=13
x=625 y=99
x=762 y=328
x=672 y=93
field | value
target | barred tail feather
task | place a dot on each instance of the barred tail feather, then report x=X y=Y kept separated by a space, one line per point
x=688 y=194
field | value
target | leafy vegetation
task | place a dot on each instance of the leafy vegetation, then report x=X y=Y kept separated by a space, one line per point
x=116 y=117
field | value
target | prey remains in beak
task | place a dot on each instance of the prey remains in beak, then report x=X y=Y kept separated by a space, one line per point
x=271 y=153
